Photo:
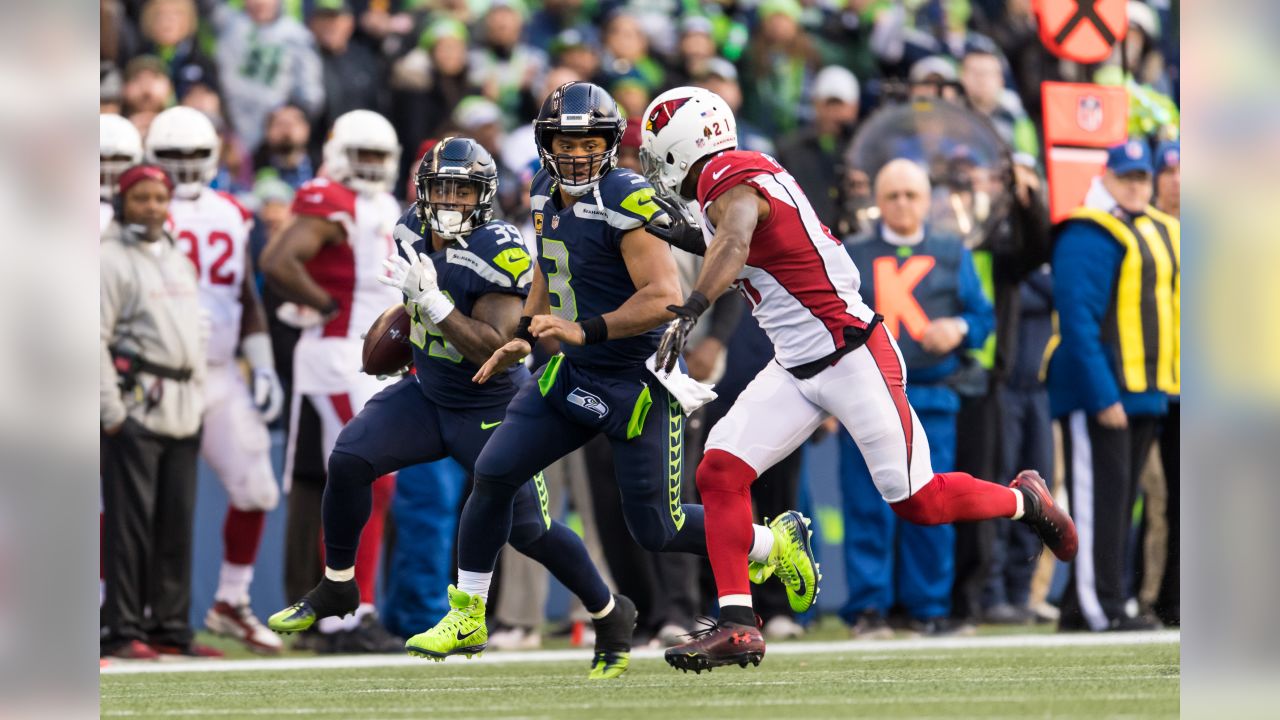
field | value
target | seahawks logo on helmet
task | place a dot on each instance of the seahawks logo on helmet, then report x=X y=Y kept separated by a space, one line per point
x=464 y=179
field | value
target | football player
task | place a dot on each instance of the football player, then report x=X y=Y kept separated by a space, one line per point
x=600 y=287
x=119 y=146
x=833 y=357
x=327 y=261
x=213 y=229
x=464 y=277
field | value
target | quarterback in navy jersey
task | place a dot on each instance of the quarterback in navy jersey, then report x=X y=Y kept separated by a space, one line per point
x=602 y=285
x=464 y=277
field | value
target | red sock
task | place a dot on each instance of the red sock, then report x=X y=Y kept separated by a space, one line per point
x=241 y=535
x=725 y=484
x=370 y=550
x=957 y=497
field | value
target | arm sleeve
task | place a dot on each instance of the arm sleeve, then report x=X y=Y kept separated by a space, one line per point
x=111 y=404
x=726 y=313
x=976 y=308
x=1085 y=262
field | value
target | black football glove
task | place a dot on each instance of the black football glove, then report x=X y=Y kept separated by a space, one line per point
x=671 y=347
x=674 y=227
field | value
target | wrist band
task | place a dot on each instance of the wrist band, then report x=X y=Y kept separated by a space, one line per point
x=698 y=303
x=522 y=330
x=594 y=330
x=331 y=307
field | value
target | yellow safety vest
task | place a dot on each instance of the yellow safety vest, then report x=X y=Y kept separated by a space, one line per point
x=1145 y=317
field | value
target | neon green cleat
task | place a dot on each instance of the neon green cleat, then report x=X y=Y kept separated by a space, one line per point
x=461 y=632
x=792 y=559
x=607 y=666
x=327 y=599
x=613 y=640
x=759 y=572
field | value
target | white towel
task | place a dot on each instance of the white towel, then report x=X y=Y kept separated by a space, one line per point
x=690 y=393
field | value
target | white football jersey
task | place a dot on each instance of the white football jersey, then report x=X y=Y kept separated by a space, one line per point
x=328 y=356
x=213 y=230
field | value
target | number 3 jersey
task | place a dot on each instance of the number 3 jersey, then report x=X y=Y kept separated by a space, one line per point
x=580 y=253
x=495 y=259
x=213 y=230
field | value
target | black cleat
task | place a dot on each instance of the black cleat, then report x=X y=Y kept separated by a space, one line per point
x=717 y=644
x=613 y=640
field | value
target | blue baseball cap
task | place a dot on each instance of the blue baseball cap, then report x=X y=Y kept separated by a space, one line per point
x=1168 y=154
x=1132 y=156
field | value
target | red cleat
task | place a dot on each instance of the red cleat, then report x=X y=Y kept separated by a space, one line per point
x=723 y=643
x=133 y=650
x=1053 y=525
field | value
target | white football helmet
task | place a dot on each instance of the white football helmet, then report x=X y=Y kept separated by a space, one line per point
x=368 y=132
x=183 y=142
x=119 y=146
x=682 y=126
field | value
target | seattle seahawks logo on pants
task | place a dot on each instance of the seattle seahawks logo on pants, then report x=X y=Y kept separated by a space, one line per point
x=587 y=401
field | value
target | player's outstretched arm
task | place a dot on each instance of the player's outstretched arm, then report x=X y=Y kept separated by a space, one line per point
x=735 y=216
x=539 y=300
x=284 y=261
x=493 y=319
x=653 y=271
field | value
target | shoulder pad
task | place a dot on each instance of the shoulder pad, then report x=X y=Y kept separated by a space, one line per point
x=540 y=190
x=728 y=169
x=410 y=228
x=497 y=253
x=628 y=199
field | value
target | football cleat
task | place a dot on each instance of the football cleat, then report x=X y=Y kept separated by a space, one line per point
x=792 y=559
x=717 y=644
x=1044 y=516
x=239 y=622
x=328 y=599
x=461 y=632
x=613 y=640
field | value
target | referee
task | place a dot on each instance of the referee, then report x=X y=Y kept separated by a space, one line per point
x=1112 y=368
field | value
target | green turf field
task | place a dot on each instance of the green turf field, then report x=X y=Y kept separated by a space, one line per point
x=1138 y=680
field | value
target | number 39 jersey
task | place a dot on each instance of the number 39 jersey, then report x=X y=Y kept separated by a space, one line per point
x=495 y=260
x=213 y=230
x=580 y=254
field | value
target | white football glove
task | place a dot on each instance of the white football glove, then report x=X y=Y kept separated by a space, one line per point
x=268 y=393
x=416 y=279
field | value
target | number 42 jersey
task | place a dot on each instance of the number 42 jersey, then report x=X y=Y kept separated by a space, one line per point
x=494 y=260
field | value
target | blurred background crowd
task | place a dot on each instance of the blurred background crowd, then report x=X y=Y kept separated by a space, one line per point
x=835 y=90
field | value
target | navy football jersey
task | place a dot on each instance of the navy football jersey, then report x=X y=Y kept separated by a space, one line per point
x=580 y=253
x=495 y=260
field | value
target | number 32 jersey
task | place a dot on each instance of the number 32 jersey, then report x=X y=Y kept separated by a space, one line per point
x=213 y=230
x=580 y=254
x=495 y=260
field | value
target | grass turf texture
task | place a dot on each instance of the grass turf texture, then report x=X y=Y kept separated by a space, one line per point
x=1088 y=682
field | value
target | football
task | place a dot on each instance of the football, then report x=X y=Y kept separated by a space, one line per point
x=386 y=345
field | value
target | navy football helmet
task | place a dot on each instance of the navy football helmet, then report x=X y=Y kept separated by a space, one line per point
x=451 y=163
x=579 y=109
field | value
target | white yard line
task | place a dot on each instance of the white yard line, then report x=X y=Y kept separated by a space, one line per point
x=117 y=667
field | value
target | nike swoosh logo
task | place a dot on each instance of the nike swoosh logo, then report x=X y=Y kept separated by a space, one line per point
x=716 y=175
x=803 y=585
x=486 y=426
x=464 y=637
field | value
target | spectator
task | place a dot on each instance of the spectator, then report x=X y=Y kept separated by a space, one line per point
x=480 y=119
x=110 y=90
x=271 y=203
x=781 y=60
x=555 y=17
x=117 y=35
x=982 y=76
x=504 y=67
x=696 y=48
x=283 y=151
x=935 y=77
x=147 y=87
x=927 y=288
x=353 y=74
x=626 y=53
x=265 y=59
x=577 y=51
x=721 y=78
x=632 y=96
x=152 y=361
x=169 y=33
x=519 y=150
x=844 y=38
x=813 y=154
x=428 y=83
x=1115 y=280
x=1167 y=604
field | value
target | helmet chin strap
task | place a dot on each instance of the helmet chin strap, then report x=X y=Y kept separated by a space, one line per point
x=451 y=225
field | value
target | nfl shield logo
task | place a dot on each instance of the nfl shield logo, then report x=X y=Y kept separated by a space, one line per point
x=555 y=221
x=1089 y=113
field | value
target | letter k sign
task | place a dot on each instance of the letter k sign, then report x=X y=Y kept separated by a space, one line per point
x=895 y=288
